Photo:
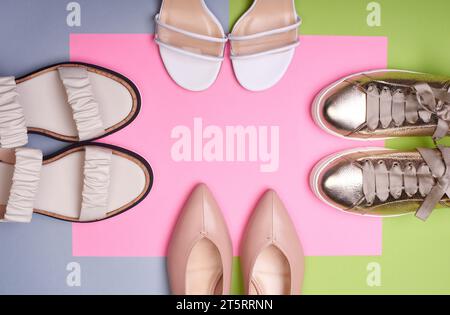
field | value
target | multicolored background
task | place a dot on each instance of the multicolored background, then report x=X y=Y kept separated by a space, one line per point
x=126 y=254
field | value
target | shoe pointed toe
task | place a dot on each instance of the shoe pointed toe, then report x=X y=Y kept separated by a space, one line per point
x=200 y=223
x=270 y=229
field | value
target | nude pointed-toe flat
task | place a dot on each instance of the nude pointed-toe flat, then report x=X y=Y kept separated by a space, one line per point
x=199 y=258
x=272 y=259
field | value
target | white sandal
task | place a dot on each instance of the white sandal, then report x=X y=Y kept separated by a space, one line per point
x=263 y=43
x=191 y=43
x=82 y=183
x=69 y=102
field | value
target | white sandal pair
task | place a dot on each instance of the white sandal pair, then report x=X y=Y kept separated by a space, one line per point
x=192 y=43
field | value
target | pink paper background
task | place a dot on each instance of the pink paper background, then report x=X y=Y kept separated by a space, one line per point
x=145 y=230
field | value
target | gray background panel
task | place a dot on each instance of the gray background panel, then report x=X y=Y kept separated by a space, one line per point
x=34 y=256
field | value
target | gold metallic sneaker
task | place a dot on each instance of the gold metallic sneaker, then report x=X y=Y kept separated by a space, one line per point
x=385 y=103
x=383 y=182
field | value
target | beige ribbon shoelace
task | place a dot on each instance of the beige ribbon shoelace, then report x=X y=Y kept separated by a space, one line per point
x=385 y=107
x=430 y=179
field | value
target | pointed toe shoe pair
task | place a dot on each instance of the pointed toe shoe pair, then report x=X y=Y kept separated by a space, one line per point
x=200 y=252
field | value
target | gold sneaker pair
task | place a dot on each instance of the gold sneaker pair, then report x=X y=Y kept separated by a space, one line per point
x=378 y=105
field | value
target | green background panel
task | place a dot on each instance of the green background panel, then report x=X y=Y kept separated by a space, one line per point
x=416 y=255
x=418 y=30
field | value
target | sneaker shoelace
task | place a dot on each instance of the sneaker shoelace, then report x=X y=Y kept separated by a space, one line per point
x=430 y=179
x=406 y=104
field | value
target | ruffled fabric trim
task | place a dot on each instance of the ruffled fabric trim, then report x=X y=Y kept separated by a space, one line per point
x=25 y=184
x=95 y=194
x=13 y=130
x=86 y=111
